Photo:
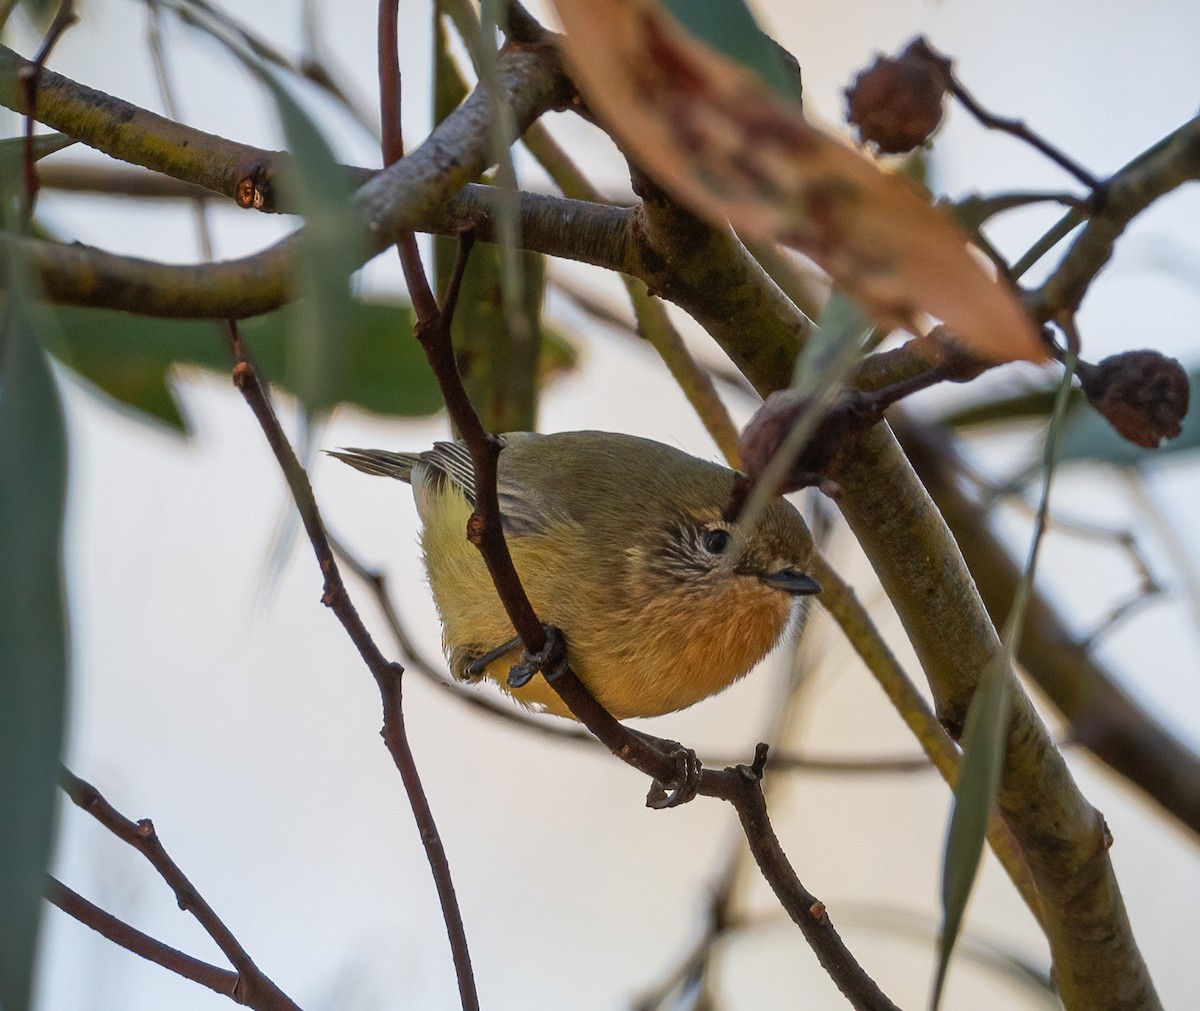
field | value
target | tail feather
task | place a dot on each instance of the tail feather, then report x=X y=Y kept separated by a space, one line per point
x=379 y=462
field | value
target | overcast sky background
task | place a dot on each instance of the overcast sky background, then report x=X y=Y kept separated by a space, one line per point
x=231 y=708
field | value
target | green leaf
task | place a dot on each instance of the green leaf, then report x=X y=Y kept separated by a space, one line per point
x=730 y=27
x=1030 y=405
x=130 y=357
x=501 y=353
x=33 y=642
x=12 y=155
x=986 y=730
x=332 y=237
x=833 y=349
x=1089 y=436
x=328 y=254
x=983 y=743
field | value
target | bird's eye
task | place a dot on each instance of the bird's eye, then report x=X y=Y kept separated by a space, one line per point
x=716 y=541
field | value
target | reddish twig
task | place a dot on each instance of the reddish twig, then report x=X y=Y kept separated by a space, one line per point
x=740 y=786
x=219 y=980
x=29 y=76
x=249 y=985
x=1013 y=127
x=387 y=674
x=425 y=307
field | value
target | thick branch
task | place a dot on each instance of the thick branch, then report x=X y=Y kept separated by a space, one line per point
x=390 y=202
x=1103 y=717
x=1171 y=162
x=1064 y=840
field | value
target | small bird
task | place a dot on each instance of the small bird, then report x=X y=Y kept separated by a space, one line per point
x=620 y=542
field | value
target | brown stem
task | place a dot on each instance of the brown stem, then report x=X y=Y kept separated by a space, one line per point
x=30 y=77
x=1013 y=127
x=221 y=981
x=1102 y=716
x=252 y=987
x=387 y=675
x=740 y=786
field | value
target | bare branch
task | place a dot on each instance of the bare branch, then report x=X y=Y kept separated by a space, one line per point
x=221 y=981
x=251 y=986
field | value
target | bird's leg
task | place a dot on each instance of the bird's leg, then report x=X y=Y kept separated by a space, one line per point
x=547 y=661
x=477 y=668
x=681 y=787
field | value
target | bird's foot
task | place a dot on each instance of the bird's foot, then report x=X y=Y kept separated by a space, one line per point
x=548 y=661
x=683 y=785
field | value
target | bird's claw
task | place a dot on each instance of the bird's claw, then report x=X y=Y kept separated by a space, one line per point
x=547 y=661
x=683 y=785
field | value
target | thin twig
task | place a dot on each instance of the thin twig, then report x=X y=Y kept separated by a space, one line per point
x=1010 y=126
x=222 y=981
x=740 y=786
x=30 y=76
x=252 y=987
x=387 y=675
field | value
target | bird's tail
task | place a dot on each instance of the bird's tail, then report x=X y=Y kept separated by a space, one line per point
x=380 y=462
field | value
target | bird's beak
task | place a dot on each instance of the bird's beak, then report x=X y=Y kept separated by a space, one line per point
x=792 y=581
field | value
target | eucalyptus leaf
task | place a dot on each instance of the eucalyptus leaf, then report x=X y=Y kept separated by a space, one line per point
x=332 y=237
x=33 y=640
x=832 y=350
x=12 y=155
x=501 y=353
x=1089 y=436
x=729 y=27
x=985 y=733
x=131 y=357
x=983 y=743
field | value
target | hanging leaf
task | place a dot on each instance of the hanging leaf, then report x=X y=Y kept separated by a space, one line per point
x=985 y=732
x=33 y=642
x=319 y=188
x=722 y=142
x=131 y=357
x=12 y=155
x=729 y=27
x=983 y=741
x=499 y=361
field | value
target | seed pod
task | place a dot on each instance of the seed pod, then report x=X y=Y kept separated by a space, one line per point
x=1143 y=394
x=896 y=103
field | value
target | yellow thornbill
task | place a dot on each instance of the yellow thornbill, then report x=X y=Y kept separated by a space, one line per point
x=620 y=543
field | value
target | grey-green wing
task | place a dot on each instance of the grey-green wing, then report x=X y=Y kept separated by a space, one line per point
x=524 y=509
x=379 y=462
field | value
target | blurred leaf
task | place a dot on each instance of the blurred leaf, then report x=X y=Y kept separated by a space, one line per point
x=129 y=357
x=985 y=733
x=1089 y=436
x=12 y=155
x=983 y=743
x=834 y=347
x=730 y=28
x=501 y=364
x=332 y=236
x=328 y=255
x=732 y=150
x=1031 y=405
x=33 y=646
